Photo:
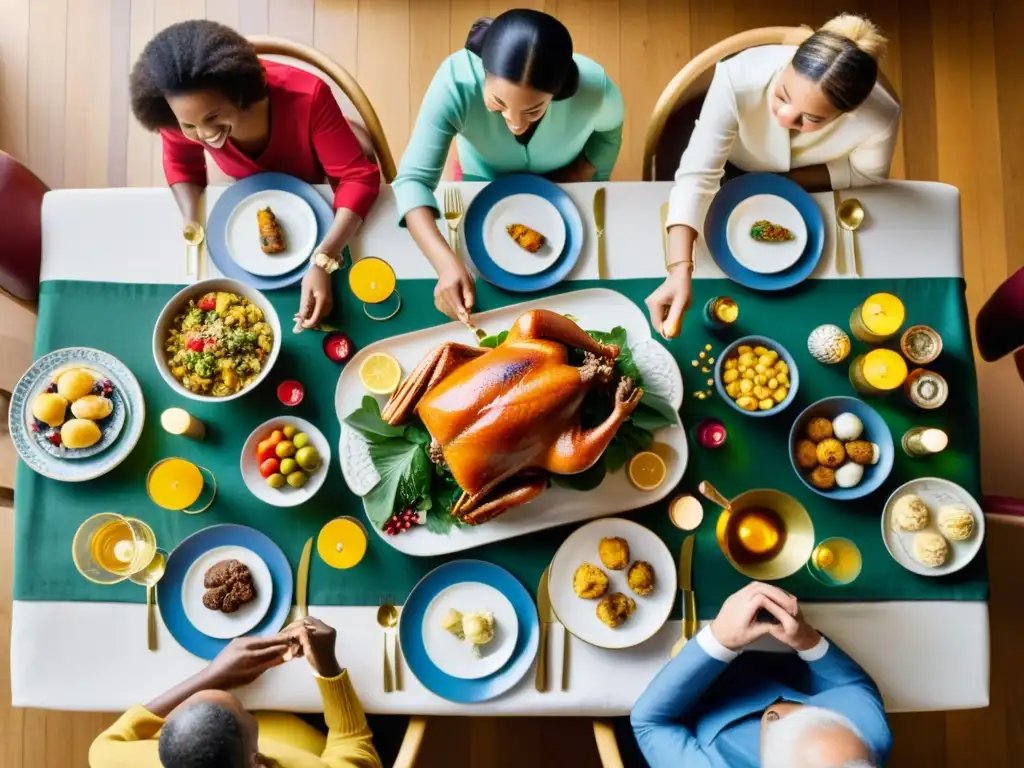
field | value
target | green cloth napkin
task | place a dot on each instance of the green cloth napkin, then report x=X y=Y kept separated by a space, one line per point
x=119 y=319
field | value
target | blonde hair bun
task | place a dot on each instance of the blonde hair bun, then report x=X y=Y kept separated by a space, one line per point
x=859 y=31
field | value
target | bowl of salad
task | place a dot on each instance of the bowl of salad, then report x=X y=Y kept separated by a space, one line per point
x=216 y=340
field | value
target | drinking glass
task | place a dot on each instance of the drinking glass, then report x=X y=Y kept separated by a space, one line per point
x=108 y=547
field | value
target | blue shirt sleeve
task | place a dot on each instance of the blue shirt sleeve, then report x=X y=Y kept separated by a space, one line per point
x=602 y=148
x=658 y=715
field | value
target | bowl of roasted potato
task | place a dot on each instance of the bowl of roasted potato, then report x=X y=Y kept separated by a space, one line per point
x=216 y=340
x=756 y=376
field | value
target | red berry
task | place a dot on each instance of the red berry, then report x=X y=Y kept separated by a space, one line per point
x=54 y=438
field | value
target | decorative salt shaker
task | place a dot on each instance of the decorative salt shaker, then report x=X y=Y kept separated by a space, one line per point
x=828 y=344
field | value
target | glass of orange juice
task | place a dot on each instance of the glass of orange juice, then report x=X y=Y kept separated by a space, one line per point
x=181 y=486
x=373 y=281
x=109 y=547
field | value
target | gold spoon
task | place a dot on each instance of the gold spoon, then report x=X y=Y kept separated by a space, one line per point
x=709 y=492
x=148 y=578
x=387 y=617
x=850 y=215
x=194 y=235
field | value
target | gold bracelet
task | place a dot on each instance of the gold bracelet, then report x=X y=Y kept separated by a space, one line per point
x=688 y=262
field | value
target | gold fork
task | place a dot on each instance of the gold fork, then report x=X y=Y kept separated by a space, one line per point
x=453 y=211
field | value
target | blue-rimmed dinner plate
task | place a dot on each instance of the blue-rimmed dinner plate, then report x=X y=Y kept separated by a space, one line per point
x=115 y=448
x=773 y=270
x=411 y=631
x=244 y=192
x=180 y=561
x=479 y=225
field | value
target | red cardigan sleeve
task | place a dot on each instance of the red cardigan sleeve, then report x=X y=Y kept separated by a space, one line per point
x=356 y=180
x=183 y=159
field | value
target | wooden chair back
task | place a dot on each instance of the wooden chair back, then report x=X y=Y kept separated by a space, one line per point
x=353 y=100
x=679 y=104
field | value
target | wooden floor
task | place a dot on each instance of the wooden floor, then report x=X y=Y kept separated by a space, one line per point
x=956 y=64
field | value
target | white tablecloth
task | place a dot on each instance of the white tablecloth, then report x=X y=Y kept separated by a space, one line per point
x=92 y=656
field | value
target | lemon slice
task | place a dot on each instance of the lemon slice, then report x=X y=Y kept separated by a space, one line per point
x=647 y=470
x=380 y=374
x=824 y=557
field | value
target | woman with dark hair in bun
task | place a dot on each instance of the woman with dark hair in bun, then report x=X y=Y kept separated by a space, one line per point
x=516 y=100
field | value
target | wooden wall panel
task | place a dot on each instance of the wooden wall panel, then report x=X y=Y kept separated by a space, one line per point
x=14 y=78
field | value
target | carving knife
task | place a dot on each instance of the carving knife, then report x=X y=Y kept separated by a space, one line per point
x=602 y=266
x=690 y=623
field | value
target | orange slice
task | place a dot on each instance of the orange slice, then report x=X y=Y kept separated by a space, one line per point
x=647 y=470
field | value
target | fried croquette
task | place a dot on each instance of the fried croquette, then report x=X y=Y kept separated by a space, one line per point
x=641 y=578
x=589 y=582
x=806 y=454
x=614 y=552
x=818 y=429
x=823 y=478
x=830 y=453
x=860 y=451
x=614 y=609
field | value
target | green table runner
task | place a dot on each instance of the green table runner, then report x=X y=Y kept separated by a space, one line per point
x=119 y=319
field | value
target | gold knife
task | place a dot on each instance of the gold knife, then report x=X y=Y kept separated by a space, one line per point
x=302 y=587
x=690 y=623
x=602 y=267
x=546 y=614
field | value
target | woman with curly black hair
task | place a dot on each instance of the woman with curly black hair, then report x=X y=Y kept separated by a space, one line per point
x=201 y=85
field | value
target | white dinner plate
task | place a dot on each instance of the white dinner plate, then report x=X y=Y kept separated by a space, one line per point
x=226 y=625
x=936 y=493
x=455 y=657
x=536 y=213
x=297 y=222
x=765 y=258
x=579 y=616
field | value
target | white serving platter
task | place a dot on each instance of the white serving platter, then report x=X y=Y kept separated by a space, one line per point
x=595 y=309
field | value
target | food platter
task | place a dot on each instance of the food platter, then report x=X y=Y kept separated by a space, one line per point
x=592 y=309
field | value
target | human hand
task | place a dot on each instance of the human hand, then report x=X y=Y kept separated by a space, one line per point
x=317 y=299
x=669 y=301
x=316 y=641
x=793 y=630
x=455 y=293
x=244 y=659
x=736 y=624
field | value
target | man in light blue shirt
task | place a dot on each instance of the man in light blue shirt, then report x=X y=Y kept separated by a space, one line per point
x=712 y=707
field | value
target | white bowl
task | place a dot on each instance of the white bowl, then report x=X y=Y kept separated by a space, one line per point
x=177 y=305
x=286 y=496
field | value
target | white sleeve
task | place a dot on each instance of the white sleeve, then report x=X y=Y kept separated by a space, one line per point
x=815 y=653
x=703 y=163
x=867 y=164
x=712 y=647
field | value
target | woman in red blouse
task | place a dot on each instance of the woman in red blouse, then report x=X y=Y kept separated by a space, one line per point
x=202 y=86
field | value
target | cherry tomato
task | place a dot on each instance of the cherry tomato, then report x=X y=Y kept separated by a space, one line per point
x=269 y=467
x=195 y=344
x=208 y=302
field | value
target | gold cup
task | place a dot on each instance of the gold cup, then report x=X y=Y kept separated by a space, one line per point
x=796 y=534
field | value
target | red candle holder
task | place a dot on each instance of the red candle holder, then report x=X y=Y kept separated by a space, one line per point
x=290 y=392
x=338 y=347
x=711 y=433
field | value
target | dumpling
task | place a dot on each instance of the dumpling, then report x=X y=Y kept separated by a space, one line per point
x=93 y=407
x=49 y=408
x=75 y=384
x=80 y=433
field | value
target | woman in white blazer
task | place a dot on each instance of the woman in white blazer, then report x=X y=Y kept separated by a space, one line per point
x=816 y=113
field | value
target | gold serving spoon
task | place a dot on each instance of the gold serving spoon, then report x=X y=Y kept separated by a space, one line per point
x=850 y=215
x=148 y=578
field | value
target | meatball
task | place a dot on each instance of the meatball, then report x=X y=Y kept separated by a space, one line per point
x=229 y=586
x=819 y=429
x=806 y=455
x=614 y=553
x=641 y=578
x=830 y=453
x=614 y=609
x=589 y=581
x=823 y=478
x=860 y=452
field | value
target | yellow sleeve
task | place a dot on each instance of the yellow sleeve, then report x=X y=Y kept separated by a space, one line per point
x=349 y=741
x=131 y=742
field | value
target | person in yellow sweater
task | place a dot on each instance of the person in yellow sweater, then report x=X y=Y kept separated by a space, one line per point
x=201 y=724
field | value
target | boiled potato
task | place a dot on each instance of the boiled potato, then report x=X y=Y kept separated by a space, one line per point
x=773 y=384
x=746 y=359
x=781 y=367
x=767 y=404
x=730 y=364
x=783 y=379
x=760 y=369
x=746 y=386
x=732 y=389
x=759 y=350
x=743 y=349
x=747 y=403
x=730 y=376
x=780 y=394
x=762 y=392
x=74 y=384
x=760 y=380
x=94 y=407
x=80 y=433
x=49 y=408
x=748 y=373
x=772 y=356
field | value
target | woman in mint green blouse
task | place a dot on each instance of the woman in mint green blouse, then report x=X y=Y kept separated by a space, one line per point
x=516 y=100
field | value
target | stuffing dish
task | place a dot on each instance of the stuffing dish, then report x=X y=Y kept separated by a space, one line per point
x=217 y=346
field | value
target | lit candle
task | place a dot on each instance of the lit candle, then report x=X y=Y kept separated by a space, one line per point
x=290 y=392
x=342 y=543
x=720 y=312
x=711 y=433
x=178 y=421
x=878 y=371
x=924 y=441
x=878 y=318
x=686 y=512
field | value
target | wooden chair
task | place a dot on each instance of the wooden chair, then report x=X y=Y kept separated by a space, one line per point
x=412 y=743
x=346 y=90
x=607 y=744
x=21 y=199
x=679 y=104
